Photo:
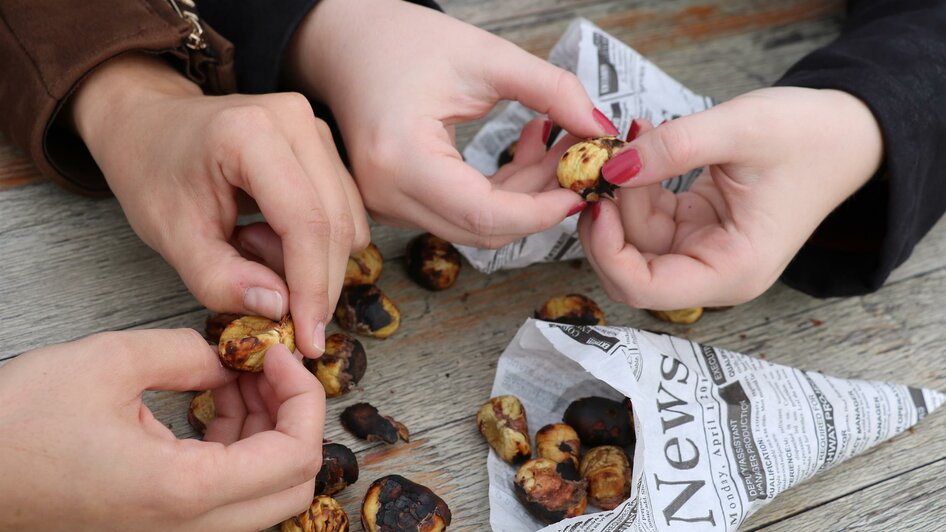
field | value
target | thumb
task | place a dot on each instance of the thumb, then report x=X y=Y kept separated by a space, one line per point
x=674 y=148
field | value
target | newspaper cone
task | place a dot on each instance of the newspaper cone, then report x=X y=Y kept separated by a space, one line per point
x=719 y=434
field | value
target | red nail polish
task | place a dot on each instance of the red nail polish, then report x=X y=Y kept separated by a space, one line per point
x=634 y=131
x=622 y=167
x=577 y=208
x=595 y=211
x=605 y=123
x=546 y=131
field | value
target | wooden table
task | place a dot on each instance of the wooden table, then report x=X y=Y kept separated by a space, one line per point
x=72 y=267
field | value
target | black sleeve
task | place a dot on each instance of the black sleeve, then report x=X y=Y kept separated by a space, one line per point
x=892 y=55
x=260 y=31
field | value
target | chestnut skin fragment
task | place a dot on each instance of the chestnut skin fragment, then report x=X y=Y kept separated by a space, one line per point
x=244 y=342
x=546 y=494
x=323 y=515
x=600 y=421
x=215 y=325
x=571 y=309
x=580 y=167
x=506 y=156
x=608 y=473
x=502 y=421
x=560 y=443
x=201 y=411
x=339 y=469
x=341 y=366
x=365 y=309
x=395 y=504
x=432 y=262
x=683 y=316
x=364 y=267
x=364 y=421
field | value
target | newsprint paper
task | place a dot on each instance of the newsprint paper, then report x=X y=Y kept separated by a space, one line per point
x=719 y=434
x=624 y=86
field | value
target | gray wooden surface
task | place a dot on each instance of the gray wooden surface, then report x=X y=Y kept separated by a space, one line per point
x=72 y=267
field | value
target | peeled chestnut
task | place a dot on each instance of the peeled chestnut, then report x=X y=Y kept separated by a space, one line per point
x=341 y=366
x=502 y=421
x=201 y=411
x=244 y=342
x=215 y=325
x=365 y=309
x=364 y=421
x=559 y=443
x=608 y=473
x=339 y=469
x=432 y=262
x=395 y=504
x=580 y=167
x=684 y=316
x=571 y=309
x=546 y=494
x=364 y=267
x=601 y=421
x=323 y=515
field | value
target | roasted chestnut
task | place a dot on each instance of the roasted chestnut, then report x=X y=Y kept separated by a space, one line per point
x=684 y=316
x=608 y=473
x=341 y=366
x=571 y=309
x=244 y=342
x=364 y=267
x=215 y=325
x=201 y=411
x=395 y=504
x=546 y=494
x=364 y=421
x=502 y=421
x=323 y=515
x=601 y=421
x=580 y=167
x=432 y=262
x=559 y=443
x=365 y=309
x=339 y=469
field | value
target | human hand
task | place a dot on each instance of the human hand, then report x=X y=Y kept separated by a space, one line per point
x=183 y=164
x=79 y=448
x=779 y=161
x=398 y=77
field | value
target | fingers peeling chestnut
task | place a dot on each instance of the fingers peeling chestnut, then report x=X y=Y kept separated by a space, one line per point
x=364 y=421
x=244 y=342
x=571 y=309
x=323 y=515
x=395 y=504
x=342 y=365
x=215 y=325
x=502 y=421
x=580 y=167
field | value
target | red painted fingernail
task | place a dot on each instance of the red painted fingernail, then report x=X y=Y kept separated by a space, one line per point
x=595 y=211
x=577 y=208
x=622 y=167
x=546 y=131
x=605 y=123
x=633 y=132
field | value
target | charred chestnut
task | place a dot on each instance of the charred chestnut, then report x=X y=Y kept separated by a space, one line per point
x=559 y=443
x=600 y=421
x=571 y=309
x=364 y=421
x=502 y=421
x=395 y=504
x=365 y=309
x=684 y=316
x=339 y=469
x=580 y=167
x=364 y=267
x=341 y=366
x=244 y=342
x=201 y=411
x=608 y=473
x=215 y=325
x=323 y=515
x=546 y=494
x=432 y=262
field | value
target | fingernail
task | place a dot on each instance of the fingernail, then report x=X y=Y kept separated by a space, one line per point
x=264 y=302
x=577 y=209
x=635 y=129
x=595 y=211
x=546 y=131
x=605 y=123
x=318 y=338
x=622 y=167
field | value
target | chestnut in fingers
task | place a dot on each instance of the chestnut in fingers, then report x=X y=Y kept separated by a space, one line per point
x=244 y=342
x=341 y=366
x=201 y=411
x=601 y=421
x=571 y=309
x=323 y=515
x=365 y=309
x=432 y=262
x=215 y=325
x=395 y=504
x=559 y=443
x=364 y=267
x=683 y=316
x=339 y=469
x=546 y=494
x=608 y=472
x=502 y=421
x=364 y=421
x=580 y=167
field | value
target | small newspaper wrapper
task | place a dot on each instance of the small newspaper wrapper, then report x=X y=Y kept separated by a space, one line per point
x=624 y=86
x=719 y=434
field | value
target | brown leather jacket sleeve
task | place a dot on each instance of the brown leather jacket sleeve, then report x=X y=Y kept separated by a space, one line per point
x=48 y=46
